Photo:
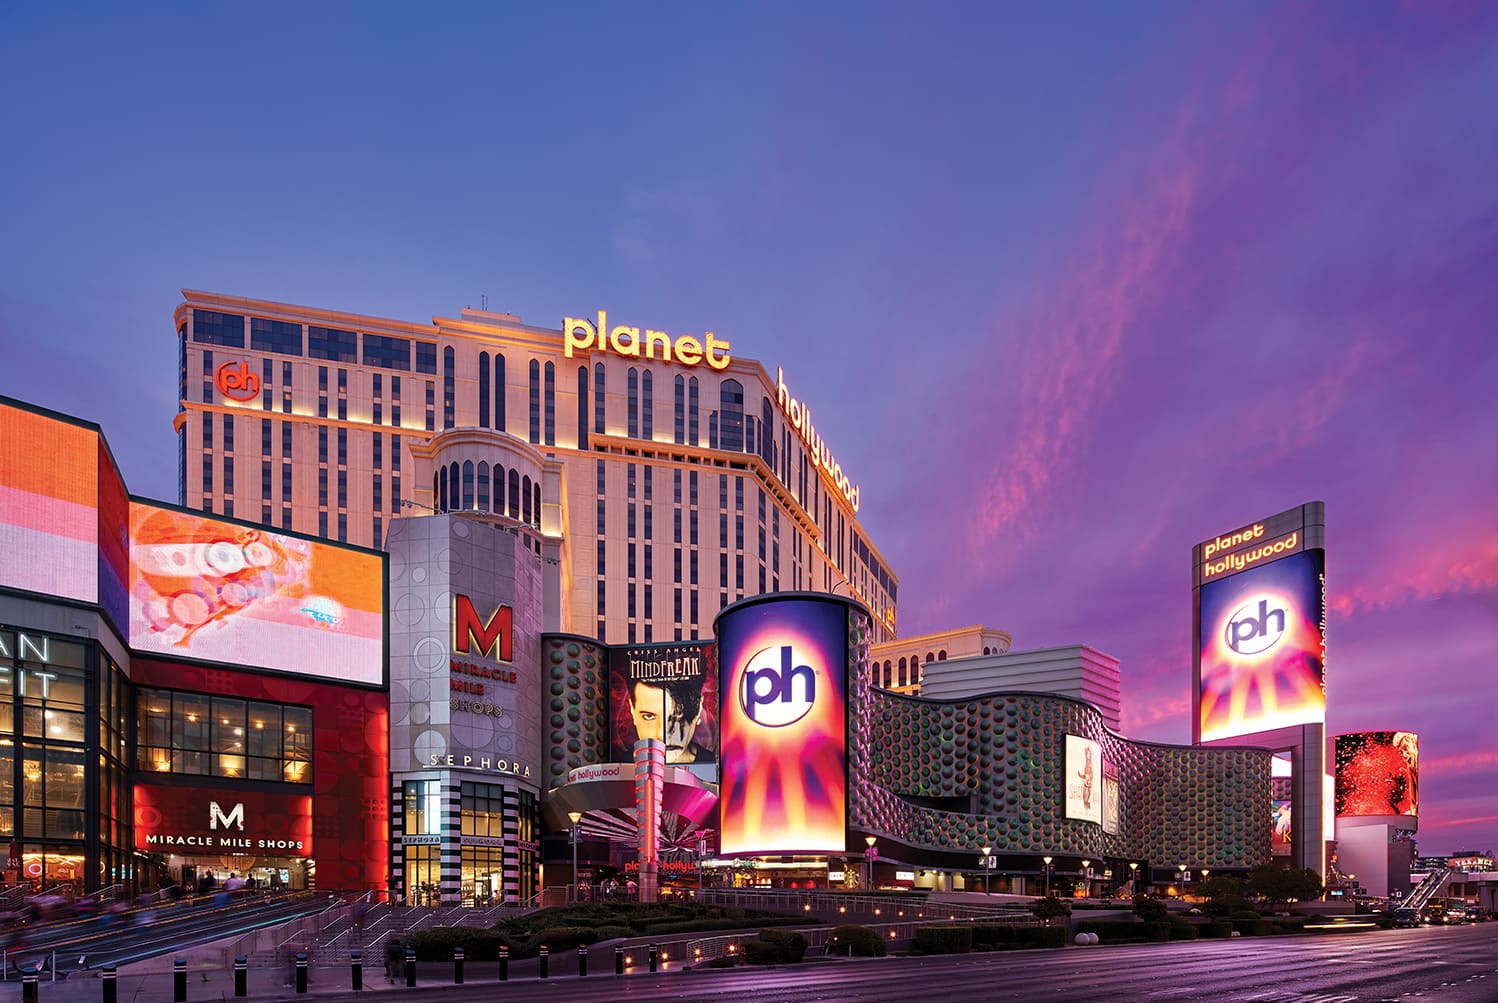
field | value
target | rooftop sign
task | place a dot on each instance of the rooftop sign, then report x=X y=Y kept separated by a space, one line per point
x=622 y=339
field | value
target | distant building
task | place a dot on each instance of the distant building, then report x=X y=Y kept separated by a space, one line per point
x=1075 y=671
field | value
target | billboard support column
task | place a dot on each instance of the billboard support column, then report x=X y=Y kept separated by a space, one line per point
x=650 y=781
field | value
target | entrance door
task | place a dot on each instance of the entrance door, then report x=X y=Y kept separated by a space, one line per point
x=423 y=875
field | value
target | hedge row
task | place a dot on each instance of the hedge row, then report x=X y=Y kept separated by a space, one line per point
x=855 y=941
x=1008 y=938
x=944 y=939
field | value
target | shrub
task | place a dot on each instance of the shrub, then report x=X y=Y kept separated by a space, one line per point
x=790 y=946
x=1220 y=929
x=1256 y=927
x=560 y=938
x=437 y=944
x=602 y=933
x=1245 y=914
x=1157 y=932
x=760 y=952
x=727 y=961
x=1289 y=924
x=859 y=941
x=1050 y=908
x=944 y=939
x=1114 y=931
x=1150 y=910
x=1181 y=930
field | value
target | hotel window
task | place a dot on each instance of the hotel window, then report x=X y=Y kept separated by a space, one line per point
x=322 y=444
x=431 y=396
x=647 y=405
x=266 y=369
x=483 y=390
x=395 y=452
x=467 y=484
x=679 y=410
x=275 y=336
x=483 y=486
x=692 y=429
x=343 y=489
x=226 y=329
x=634 y=403
x=551 y=404
x=514 y=507
x=582 y=407
x=379 y=451
x=525 y=498
x=387 y=353
x=332 y=345
x=535 y=401
x=208 y=735
x=265 y=484
x=285 y=388
x=598 y=399
x=265 y=437
x=499 y=391
x=731 y=416
x=343 y=447
x=426 y=358
x=449 y=388
x=395 y=493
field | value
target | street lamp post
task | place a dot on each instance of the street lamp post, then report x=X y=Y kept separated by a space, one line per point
x=1181 y=878
x=868 y=859
x=1086 y=878
x=576 y=817
x=986 y=851
x=1134 y=876
x=1047 y=876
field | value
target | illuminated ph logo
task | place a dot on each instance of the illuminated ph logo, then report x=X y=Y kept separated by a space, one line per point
x=774 y=690
x=237 y=381
x=1254 y=627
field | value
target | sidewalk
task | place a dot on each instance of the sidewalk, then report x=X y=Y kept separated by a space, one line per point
x=267 y=984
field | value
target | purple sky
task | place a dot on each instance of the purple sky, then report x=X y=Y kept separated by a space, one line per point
x=1068 y=290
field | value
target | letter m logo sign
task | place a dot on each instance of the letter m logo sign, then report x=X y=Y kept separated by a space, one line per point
x=474 y=636
x=217 y=818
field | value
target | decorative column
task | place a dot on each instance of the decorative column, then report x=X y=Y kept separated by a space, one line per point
x=650 y=782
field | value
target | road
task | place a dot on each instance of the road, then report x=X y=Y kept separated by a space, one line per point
x=1444 y=964
x=1451 y=964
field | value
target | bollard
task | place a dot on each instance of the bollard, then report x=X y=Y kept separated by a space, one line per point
x=111 y=987
x=301 y=972
x=545 y=960
x=410 y=968
x=618 y=961
x=356 y=969
x=29 y=987
x=582 y=960
x=457 y=966
x=652 y=959
x=241 y=976
x=504 y=962
x=179 y=980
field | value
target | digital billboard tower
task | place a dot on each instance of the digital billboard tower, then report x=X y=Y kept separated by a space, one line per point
x=1259 y=654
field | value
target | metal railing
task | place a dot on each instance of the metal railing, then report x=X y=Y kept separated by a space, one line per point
x=852 y=903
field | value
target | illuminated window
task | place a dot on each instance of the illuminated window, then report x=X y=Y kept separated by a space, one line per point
x=731 y=416
x=449 y=388
x=499 y=391
x=483 y=389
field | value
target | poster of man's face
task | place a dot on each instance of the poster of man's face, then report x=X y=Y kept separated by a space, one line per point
x=667 y=692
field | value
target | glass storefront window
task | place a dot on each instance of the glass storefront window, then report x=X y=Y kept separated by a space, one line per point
x=181 y=732
x=422 y=800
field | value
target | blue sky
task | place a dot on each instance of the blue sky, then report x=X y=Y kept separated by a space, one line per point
x=1069 y=288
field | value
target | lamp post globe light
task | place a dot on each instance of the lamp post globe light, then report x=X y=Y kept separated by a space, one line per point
x=1134 y=876
x=987 y=850
x=868 y=859
x=1047 y=876
x=1086 y=877
x=576 y=817
x=1181 y=878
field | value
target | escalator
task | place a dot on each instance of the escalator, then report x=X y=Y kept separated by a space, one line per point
x=1427 y=889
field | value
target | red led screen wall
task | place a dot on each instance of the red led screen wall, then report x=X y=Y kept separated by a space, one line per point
x=350 y=762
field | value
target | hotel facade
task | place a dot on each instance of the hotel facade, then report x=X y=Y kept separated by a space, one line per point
x=659 y=478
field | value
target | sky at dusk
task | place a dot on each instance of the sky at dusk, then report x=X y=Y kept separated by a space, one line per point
x=1069 y=289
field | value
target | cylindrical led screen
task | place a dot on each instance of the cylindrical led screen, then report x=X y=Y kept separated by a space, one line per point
x=783 y=710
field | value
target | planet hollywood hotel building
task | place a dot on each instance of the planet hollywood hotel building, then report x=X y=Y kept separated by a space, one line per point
x=555 y=589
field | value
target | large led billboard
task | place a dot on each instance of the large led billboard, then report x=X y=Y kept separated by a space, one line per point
x=783 y=708
x=1261 y=647
x=49 y=505
x=204 y=588
x=1084 y=774
x=667 y=692
x=1378 y=773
